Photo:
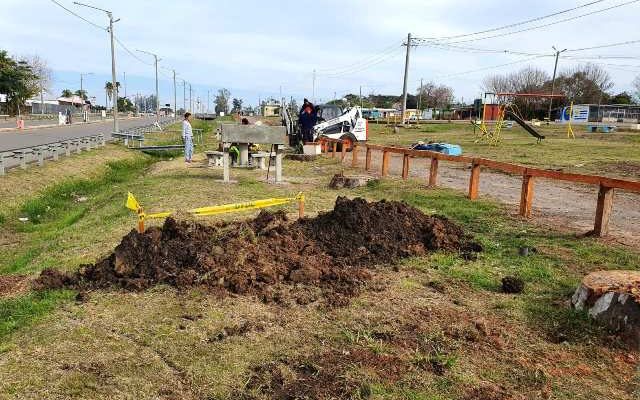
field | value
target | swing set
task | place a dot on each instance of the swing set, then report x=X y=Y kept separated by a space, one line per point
x=507 y=109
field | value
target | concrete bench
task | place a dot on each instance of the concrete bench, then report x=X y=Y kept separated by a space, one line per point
x=215 y=158
x=259 y=159
x=3 y=166
x=40 y=152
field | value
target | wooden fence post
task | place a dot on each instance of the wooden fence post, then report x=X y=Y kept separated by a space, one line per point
x=334 y=149
x=343 y=148
x=433 y=172
x=367 y=162
x=354 y=155
x=526 y=195
x=385 y=163
x=405 y=166
x=474 y=181
x=603 y=211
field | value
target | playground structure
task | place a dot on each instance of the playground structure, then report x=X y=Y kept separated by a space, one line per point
x=507 y=109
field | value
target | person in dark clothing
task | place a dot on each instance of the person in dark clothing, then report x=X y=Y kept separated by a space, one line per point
x=308 y=119
x=306 y=103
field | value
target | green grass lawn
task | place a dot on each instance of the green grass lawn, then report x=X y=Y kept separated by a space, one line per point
x=149 y=345
x=614 y=154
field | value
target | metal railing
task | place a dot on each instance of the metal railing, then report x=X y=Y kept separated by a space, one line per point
x=23 y=156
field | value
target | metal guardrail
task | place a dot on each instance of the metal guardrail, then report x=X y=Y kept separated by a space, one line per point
x=41 y=152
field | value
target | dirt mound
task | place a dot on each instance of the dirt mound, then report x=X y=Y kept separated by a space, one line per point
x=329 y=255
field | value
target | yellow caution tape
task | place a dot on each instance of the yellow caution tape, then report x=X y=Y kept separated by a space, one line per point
x=133 y=204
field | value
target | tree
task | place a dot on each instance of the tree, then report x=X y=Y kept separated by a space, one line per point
x=17 y=81
x=66 y=93
x=621 y=98
x=125 y=105
x=434 y=96
x=222 y=101
x=108 y=87
x=82 y=94
x=42 y=71
x=585 y=84
x=237 y=105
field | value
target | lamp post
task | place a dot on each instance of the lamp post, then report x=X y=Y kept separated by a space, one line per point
x=113 y=61
x=553 y=81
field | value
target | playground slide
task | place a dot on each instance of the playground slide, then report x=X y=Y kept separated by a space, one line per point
x=523 y=124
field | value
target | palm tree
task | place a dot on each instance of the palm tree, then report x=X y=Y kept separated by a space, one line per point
x=108 y=87
x=67 y=93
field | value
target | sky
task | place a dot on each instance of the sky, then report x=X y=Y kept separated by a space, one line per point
x=261 y=49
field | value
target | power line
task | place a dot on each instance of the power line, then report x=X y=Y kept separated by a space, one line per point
x=79 y=16
x=366 y=66
x=537 y=26
x=365 y=61
x=491 y=67
x=517 y=23
x=607 y=45
x=131 y=53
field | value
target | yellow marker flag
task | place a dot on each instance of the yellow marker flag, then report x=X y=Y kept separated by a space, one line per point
x=132 y=203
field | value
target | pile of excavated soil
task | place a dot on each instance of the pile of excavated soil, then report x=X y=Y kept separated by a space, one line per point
x=329 y=255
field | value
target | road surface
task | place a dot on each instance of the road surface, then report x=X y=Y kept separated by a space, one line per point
x=37 y=137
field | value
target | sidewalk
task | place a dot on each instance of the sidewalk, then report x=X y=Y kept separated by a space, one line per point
x=30 y=128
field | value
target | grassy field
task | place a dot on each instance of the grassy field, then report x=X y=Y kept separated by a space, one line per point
x=432 y=327
x=612 y=154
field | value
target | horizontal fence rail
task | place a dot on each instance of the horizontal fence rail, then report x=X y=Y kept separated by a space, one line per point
x=607 y=185
x=51 y=150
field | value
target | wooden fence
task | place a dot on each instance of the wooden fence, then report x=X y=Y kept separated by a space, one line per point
x=607 y=186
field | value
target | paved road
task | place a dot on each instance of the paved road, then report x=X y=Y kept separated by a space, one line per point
x=38 y=137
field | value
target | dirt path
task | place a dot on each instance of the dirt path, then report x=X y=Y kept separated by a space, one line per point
x=556 y=204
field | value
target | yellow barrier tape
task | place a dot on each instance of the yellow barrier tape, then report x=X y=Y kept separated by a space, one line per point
x=133 y=204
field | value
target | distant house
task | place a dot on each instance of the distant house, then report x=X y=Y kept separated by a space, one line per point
x=271 y=110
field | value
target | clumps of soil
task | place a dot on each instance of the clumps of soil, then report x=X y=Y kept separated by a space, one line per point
x=341 y=180
x=329 y=256
x=12 y=284
x=512 y=284
x=51 y=278
x=326 y=375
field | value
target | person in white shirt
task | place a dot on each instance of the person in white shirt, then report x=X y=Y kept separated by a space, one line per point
x=187 y=137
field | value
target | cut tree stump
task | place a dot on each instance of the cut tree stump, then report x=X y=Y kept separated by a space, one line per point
x=345 y=181
x=613 y=299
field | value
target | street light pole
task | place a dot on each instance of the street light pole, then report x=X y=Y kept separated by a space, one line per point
x=184 y=95
x=113 y=62
x=406 y=77
x=553 y=81
x=155 y=57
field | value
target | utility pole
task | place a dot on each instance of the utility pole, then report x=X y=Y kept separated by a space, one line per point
x=124 y=79
x=113 y=62
x=190 y=99
x=553 y=81
x=155 y=57
x=184 y=95
x=314 y=87
x=175 y=97
x=361 y=96
x=420 y=97
x=208 y=99
x=406 y=77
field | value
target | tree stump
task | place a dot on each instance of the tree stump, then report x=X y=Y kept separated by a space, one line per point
x=343 y=181
x=613 y=299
